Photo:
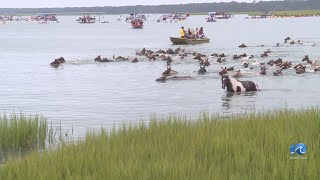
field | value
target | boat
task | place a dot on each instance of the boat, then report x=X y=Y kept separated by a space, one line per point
x=45 y=18
x=137 y=23
x=90 y=19
x=134 y=16
x=105 y=22
x=262 y=16
x=6 y=18
x=43 y=22
x=173 y=17
x=178 y=40
x=219 y=15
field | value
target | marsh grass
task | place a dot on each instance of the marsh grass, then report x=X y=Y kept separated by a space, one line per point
x=19 y=132
x=297 y=13
x=252 y=146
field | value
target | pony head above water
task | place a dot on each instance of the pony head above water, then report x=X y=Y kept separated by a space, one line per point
x=202 y=69
x=225 y=80
x=263 y=70
x=245 y=64
x=306 y=58
x=238 y=74
x=61 y=60
x=223 y=72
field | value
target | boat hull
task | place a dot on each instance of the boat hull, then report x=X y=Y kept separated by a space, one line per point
x=210 y=20
x=176 y=40
x=137 y=26
x=86 y=22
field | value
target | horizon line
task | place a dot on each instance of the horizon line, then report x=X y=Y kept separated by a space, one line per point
x=253 y=2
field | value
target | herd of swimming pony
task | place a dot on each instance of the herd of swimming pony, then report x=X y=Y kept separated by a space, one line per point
x=231 y=84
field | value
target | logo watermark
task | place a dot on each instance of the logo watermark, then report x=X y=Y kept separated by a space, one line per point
x=299 y=149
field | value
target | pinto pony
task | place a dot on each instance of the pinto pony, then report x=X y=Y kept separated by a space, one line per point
x=234 y=85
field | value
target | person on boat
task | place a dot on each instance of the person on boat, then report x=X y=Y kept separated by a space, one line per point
x=182 y=32
x=201 y=33
x=196 y=33
x=186 y=34
x=193 y=34
x=189 y=33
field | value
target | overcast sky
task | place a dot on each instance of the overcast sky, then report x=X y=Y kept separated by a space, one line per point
x=82 y=3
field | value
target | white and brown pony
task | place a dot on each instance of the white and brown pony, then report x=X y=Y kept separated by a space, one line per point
x=234 y=85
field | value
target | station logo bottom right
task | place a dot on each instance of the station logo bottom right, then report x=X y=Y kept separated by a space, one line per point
x=300 y=149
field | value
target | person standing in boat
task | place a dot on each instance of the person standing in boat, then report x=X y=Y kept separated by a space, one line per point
x=182 y=32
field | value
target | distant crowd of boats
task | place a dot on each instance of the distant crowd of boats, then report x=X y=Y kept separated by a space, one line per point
x=137 y=19
x=173 y=17
x=41 y=18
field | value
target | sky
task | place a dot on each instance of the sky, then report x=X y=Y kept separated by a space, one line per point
x=89 y=3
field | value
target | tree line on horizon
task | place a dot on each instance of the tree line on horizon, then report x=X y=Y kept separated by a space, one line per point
x=192 y=8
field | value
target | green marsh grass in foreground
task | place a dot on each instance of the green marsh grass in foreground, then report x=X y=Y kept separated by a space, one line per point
x=254 y=146
x=20 y=132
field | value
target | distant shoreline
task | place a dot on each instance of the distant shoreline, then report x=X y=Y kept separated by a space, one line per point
x=194 y=8
x=252 y=13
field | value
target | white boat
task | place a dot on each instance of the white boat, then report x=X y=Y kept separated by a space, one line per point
x=174 y=17
x=219 y=15
x=134 y=16
x=90 y=19
x=45 y=18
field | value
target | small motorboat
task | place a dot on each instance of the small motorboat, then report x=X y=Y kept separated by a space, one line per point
x=178 y=40
x=137 y=23
x=87 y=19
x=45 y=17
x=105 y=22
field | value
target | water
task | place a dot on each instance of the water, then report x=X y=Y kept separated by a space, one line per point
x=88 y=95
